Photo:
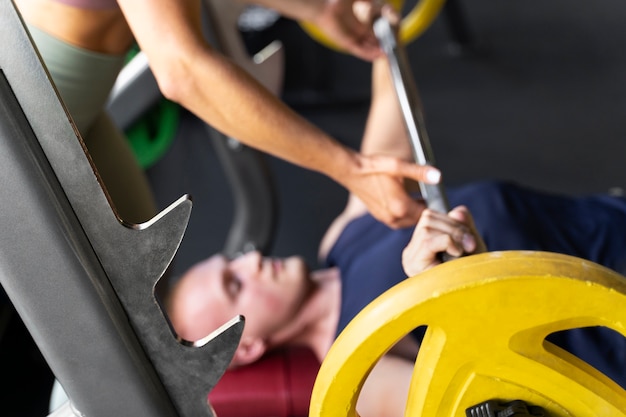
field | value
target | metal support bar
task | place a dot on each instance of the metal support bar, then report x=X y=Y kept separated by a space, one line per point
x=411 y=107
x=81 y=279
x=57 y=285
x=254 y=217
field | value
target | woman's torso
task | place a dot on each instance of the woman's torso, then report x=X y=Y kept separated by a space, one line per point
x=96 y=25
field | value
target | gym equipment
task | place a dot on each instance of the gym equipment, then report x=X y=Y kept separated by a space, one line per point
x=81 y=278
x=488 y=316
x=412 y=26
x=515 y=408
x=136 y=91
x=411 y=107
x=151 y=137
x=278 y=385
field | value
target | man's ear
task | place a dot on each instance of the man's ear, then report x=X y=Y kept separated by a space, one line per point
x=250 y=349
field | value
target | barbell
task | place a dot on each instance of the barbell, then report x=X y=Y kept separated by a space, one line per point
x=487 y=319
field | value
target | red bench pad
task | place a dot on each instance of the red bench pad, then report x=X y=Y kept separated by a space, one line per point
x=278 y=385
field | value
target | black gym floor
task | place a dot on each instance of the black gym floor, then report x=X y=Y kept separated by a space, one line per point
x=537 y=95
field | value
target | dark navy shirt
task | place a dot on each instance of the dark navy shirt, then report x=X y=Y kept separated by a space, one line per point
x=509 y=217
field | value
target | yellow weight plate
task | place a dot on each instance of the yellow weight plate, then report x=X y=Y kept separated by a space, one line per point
x=413 y=24
x=488 y=316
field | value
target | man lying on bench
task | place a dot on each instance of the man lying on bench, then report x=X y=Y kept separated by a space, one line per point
x=285 y=303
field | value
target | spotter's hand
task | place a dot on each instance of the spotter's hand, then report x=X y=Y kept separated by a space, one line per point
x=379 y=184
x=349 y=24
x=435 y=233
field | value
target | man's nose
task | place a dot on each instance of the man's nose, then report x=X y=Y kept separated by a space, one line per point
x=252 y=261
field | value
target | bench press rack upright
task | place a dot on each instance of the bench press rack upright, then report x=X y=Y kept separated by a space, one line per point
x=80 y=278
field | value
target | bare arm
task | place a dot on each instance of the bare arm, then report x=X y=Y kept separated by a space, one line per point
x=385 y=134
x=337 y=19
x=208 y=84
x=385 y=392
x=191 y=73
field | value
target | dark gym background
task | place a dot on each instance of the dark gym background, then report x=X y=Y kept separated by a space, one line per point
x=537 y=95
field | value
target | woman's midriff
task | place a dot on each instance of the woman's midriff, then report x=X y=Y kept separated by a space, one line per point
x=104 y=31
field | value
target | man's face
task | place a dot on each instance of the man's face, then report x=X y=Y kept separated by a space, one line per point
x=267 y=291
